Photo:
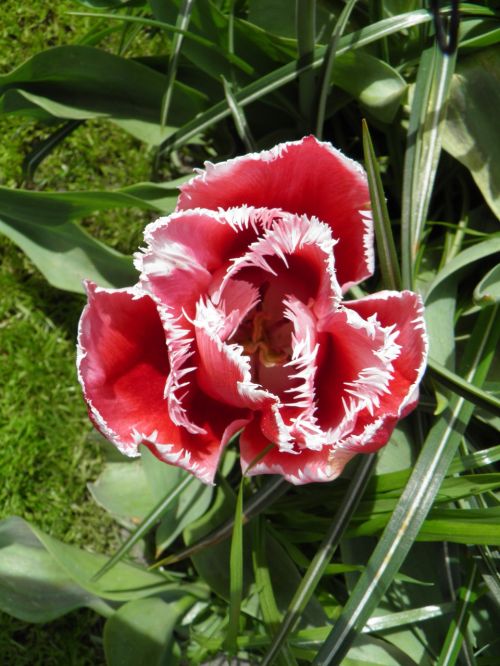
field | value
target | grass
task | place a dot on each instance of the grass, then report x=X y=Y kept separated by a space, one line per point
x=48 y=449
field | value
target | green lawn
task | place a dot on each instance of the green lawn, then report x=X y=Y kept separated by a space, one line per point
x=48 y=449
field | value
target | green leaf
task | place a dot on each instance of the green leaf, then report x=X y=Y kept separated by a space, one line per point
x=467 y=595
x=141 y=632
x=309 y=582
x=33 y=585
x=487 y=291
x=235 y=575
x=42 y=578
x=386 y=248
x=79 y=82
x=189 y=505
x=41 y=224
x=422 y=153
x=440 y=299
x=470 y=132
x=328 y=62
x=407 y=519
x=283 y=75
x=123 y=491
x=146 y=525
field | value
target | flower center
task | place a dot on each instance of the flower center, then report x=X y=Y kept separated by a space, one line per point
x=266 y=338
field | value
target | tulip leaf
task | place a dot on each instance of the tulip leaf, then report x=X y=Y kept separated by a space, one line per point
x=386 y=248
x=470 y=392
x=186 y=508
x=42 y=224
x=488 y=289
x=122 y=489
x=78 y=82
x=422 y=153
x=470 y=132
x=440 y=299
x=141 y=632
x=289 y=72
x=33 y=585
x=235 y=574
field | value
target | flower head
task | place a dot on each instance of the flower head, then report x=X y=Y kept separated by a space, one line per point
x=238 y=323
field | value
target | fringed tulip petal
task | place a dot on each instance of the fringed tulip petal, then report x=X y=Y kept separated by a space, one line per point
x=303 y=177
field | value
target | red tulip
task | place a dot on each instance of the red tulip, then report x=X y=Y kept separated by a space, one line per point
x=238 y=323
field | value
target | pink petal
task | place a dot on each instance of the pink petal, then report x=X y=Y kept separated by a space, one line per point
x=304 y=177
x=355 y=368
x=223 y=371
x=181 y=253
x=404 y=311
x=301 y=467
x=291 y=254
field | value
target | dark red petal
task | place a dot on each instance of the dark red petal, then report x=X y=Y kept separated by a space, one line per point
x=305 y=466
x=123 y=368
x=123 y=365
x=354 y=370
x=304 y=177
x=200 y=453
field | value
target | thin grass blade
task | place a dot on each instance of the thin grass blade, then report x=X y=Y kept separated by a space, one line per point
x=239 y=117
x=305 y=21
x=144 y=527
x=267 y=601
x=416 y=500
x=269 y=493
x=422 y=152
x=329 y=59
x=182 y=24
x=455 y=637
x=325 y=552
x=467 y=390
x=386 y=248
x=236 y=574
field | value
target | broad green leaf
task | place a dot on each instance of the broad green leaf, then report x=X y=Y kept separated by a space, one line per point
x=41 y=223
x=470 y=132
x=33 y=585
x=124 y=583
x=79 y=82
x=440 y=299
x=123 y=491
x=141 y=632
x=376 y=85
x=67 y=255
x=488 y=289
